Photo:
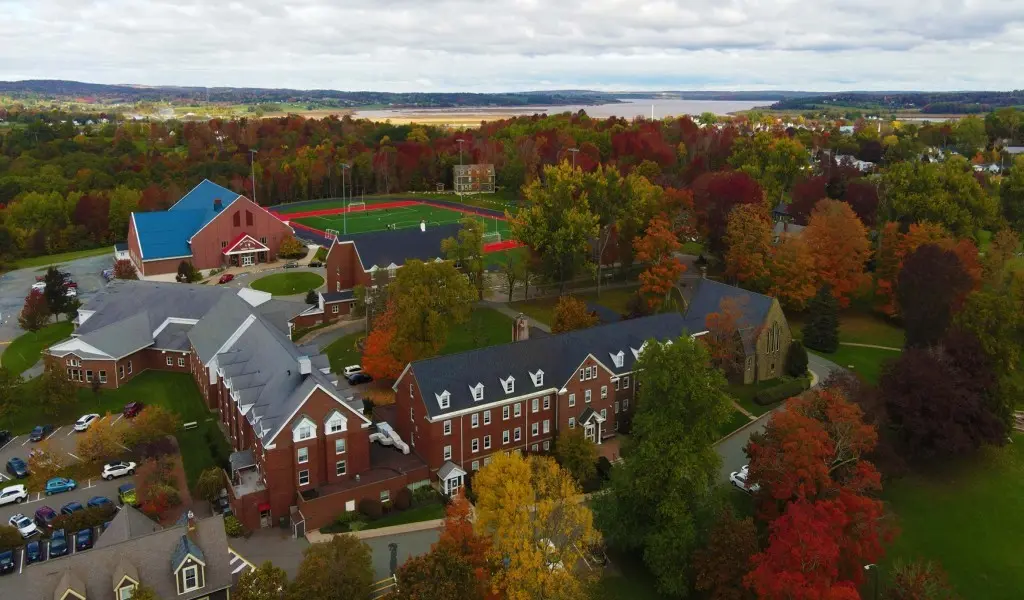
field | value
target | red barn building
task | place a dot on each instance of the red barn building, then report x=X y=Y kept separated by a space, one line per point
x=211 y=226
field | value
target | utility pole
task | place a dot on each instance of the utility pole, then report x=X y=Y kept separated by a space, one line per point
x=344 y=167
x=573 y=151
x=874 y=568
x=252 y=165
x=460 y=141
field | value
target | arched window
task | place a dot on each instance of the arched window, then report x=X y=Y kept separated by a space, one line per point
x=236 y=219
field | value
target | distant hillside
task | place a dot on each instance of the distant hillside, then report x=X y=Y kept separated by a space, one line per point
x=925 y=102
x=113 y=94
x=717 y=95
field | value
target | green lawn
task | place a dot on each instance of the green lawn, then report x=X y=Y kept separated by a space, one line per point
x=538 y=309
x=867 y=362
x=543 y=309
x=736 y=420
x=53 y=259
x=744 y=395
x=288 y=284
x=427 y=512
x=486 y=327
x=342 y=352
x=860 y=328
x=26 y=349
x=970 y=518
x=401 y=217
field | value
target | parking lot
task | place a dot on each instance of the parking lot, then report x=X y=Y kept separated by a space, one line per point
x=44 y=550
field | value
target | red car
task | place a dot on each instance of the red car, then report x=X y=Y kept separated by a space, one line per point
x=131 y=409
x=225 y=278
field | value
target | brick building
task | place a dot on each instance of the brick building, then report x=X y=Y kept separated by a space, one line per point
x=302 y=443
x=211 y=226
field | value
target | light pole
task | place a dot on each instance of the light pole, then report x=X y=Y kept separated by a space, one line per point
x=874 y=568
x=460 y=141
x=573 y=151
x=344 y=167
x=252 y=165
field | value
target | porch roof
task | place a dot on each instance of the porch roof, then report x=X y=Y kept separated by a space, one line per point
x=243 y=244
x=449 y=470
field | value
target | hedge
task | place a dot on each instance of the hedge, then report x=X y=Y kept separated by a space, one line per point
x=778 y=393
x=85 y=519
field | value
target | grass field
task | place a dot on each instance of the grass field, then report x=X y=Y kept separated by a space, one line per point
x=859 y=328
x=867 y=362
x=736 y=420
x=543 y=309
x=53 y=259
x=744 y=395
x=403 y=217
x=287 y=284
x=26 y=349
x=969 y=517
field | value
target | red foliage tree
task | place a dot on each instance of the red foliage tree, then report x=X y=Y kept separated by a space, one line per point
x=932 y=287
x=125 y=269
x=657 y=248
x=748 y=242
x=36 y=311
x=719 y=567
x=714 y=197
x=806 y=193
x=725 y=347
x=791 y=276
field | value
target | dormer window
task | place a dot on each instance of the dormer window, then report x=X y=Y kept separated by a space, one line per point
x=538 y=378
x=443 y=399
x=477 y=391
x=636 y=352
x=304 y=430
x=618 y=359
x=509 y=384
x=336 y=423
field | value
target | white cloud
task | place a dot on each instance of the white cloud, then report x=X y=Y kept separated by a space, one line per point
x=501 y=45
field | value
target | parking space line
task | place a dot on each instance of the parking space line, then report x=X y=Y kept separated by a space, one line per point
x=74 y=456
x=10 y=441
x=119 y=417
x=21 y=563
x=55 y=432
x=89 y=485
x=3 y=477
x=70 y=432
x=26 y=440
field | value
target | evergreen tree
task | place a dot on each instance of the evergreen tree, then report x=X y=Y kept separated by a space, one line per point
x=822 y=330
x=796 y=360
x=56 y=291
x=312 y=297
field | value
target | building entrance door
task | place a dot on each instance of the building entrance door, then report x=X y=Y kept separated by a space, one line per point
x=247 y=260
x=265 y=518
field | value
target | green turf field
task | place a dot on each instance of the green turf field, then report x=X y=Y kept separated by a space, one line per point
x=404 y=217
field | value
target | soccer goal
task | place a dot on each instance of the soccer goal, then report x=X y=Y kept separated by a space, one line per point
x=492 y=237
x=356 y=205
x=332 y=234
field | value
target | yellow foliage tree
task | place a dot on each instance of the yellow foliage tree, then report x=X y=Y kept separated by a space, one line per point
x=102 y=441
x=531 y=510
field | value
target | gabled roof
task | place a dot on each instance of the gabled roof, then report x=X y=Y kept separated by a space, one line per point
x=128 y=523
x=557 y=355
x=185 y=548
x=122 y=298
x=69 y=585
x=123 y=338
x=166 y=234
x=707 y=298
x=383 y=248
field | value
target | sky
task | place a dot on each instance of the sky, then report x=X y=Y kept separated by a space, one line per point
x=517 y=45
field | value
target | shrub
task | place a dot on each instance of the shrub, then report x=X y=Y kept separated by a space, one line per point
x=371 y=508
x=156 y=448
x=9 y=538
x=778 y=393
x=84 y=519
x=210 y=483
x=233 y=527
x=424 y=495
x=796 y=360
x=604 y=467
x=402 y=499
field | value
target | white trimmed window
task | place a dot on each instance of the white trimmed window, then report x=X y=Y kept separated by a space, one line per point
x=517 y=434
x=304 y=430
x=385 y=495
x=618 y=359
x=190 y=579
x=604 y=413
x=474 y=446
x=616 y=407
x=443 y=399
x=339 y=468
x=538 y=378
x=335 y=309
x=547 y=445
x=170 y=361
x=618 y=384
x=181 y=361
x=446 y=454
x=504 y=413
x=572 y=422
x=474 y=420
x=625 y=382
x=535 y=429
x=339 y=446
x=504 y=437
x=547 y=402
x=509 y=384
x=129 y=367
x=303 y=477
x=586 y=396
x=535 y=405
x=103 y=376
x=572 y=400
x=336 y=424
x=303 y=455
x=487 y=443
x=604 y=392
x=477 y=391
x=447 y=427
x=487 y=460
x=547 y=426
x=476 y=465
x=487 y=417
x=583 y=374
x=533 y=448
x=517 y=410
x=625 y=404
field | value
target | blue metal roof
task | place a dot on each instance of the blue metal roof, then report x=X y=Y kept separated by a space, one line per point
x=166 y=234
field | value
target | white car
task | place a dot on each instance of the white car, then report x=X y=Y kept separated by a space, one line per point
x=71 y=292
x=85 y=421
x=39 y=285
x=740 y=480
x=25 y=526
x=14 y=493
x=118 y=469
x=352 y=370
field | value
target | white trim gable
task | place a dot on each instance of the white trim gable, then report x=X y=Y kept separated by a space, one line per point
x=538 y=377
x=509 y=384
x=234 y=337
x=477 y=391
x=169 y=320
x=637 y=352
x=303 y=422
x=336 y=418
x=76 y=345
x=618 y=359
x=269 y=442
x=444 y=399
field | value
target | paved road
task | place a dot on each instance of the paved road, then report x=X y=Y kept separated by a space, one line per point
x=408 y=545
x=14 y=286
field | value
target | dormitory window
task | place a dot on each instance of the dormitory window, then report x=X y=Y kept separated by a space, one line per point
x=334 y=309
x=129 y=367
x=504 y=413
x=303 y=477
x=339 y=468
x=517 y=434
x=103 y=376
x=303 y=455
x=518 y=410
x=181 y=361
x=447 y=427
x=504 y=437
x=547 y=402
x=339 y=446
x=487 y=417
x=447 y=453
x=604 y=392
x=586 y=396
x=534 y=429
x=170 y=361
x=572 y=423
x=120 y=371
x=625 y=382
x=474 y=420
x=487 y=443
x=475 y=447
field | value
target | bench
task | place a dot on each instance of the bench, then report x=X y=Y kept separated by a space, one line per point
x=191 y=425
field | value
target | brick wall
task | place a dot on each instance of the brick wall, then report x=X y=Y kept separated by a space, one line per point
x=208 y=244
x=321 y=511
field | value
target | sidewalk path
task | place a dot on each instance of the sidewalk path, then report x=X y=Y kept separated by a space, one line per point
x=507 y=310
x=871 y=346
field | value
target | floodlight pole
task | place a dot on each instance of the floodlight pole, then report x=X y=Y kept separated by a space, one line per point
x=460 y=141
x=573 y=151
x=252 y=165
x=344 y=167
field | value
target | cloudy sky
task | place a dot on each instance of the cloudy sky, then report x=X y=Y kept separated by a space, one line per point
x=503 y=45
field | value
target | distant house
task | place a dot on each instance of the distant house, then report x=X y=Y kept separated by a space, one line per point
x=846 y=129
x=474 y=179
x=783 y=228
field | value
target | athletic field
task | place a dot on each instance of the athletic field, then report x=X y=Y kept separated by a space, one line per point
x=391 y=216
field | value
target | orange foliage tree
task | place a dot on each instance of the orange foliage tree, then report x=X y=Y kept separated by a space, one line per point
x=748 y=240
x=657 y=248
x=840 y=246
x=723 y=341
x=381 y=358
x=571 y=314
x=791 y=276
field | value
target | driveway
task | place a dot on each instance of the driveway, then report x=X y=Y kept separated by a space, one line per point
x=15 y=285
x=407 y=545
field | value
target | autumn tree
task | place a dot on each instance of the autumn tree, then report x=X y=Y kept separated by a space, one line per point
x=210 y=484
x=893 y=249
x=10 y=538
x=100 y=442
x=460 y=535
x=144 y=592
x=995 y=317
x=382 y=358
x=514 y=270
x=571 y=313
x=10 y=384
x=748 y=241
x=1004 y=246
x=187 y=273
x=932 y=286
x=724 y=339
x=441 y=574
x=822 y=329
x=556 y=222
x=576 y=454
x=46 y=462
x=657 y=248
x=918 y=580
x=721 y=564
x=528 y=508
x=714 y=196
x=154 y=423
x=265 y=582
x=291 y=248
x=466 y=250
x=775 y=162
x=652 y=507
x=340 y=569
x=55 y=392
x=792 y=279
x=945 y=193
x=428 y=299
x=125 y=269
x=35 y=313
x=840 y=246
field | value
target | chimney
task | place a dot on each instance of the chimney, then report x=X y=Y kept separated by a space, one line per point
x=521 y=328
x=305 y=365
x=191 y=516
x=217 y=205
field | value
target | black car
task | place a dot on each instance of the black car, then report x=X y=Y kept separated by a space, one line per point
x=291 y=265
x=359 y=378
x=6 y=562
x=315 y=263
x=5 y=436
x=45 y=516
x=17 y=468
x=40 y=432
x=58 y=544
x=33 y=552
x=83 y=540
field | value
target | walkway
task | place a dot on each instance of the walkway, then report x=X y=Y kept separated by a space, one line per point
x=871 y=346
x=512 y=313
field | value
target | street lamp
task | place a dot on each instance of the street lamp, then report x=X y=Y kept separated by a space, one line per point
x=874 y=568
x=252 y=165
x=344 y=219
x=573 y=151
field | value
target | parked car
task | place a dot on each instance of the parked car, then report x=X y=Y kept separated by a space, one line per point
x=58 y=544
x=225 y=278
x=7 y=562
x=5 y=436
x=107 y=274
x=40 y=432
x=33 y=552
x=126 y=495
x=315 y=263
x=131 y=409
x=39 y=286
x=291 y=265
x=352 y=370
x=359 y=378
x=45 y=516
x=71 y=283
x=740 y=479
x=60 y=484
x=17 y=467
x=71 y=508
x=13 y=494
x=118 y=468
x=83 y=540
x=71 y=292
x=24 y=525
x=85 y=421
x=98 y=502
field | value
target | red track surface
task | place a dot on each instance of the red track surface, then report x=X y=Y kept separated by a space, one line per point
x=337 y=211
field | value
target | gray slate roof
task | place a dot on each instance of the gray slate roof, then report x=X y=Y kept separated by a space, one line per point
x=558 y=356
x=341 y=296
x=149 y=554
x=121 y=299
x=242 y=459
x=121 y=338
x=707 y=298
x=382 y=248
x=128 y=523
x=173 y=337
